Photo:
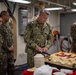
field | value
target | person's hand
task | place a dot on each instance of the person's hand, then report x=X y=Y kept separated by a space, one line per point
x=11 y=48
x=45 y=49
x=39 y=48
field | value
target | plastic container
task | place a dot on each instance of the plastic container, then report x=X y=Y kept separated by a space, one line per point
x=38 y=60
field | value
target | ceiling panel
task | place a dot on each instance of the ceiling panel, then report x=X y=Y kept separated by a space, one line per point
x=52 y=3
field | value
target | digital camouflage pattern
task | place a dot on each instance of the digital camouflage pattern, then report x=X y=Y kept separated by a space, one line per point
x=6 y=33
x=8 y=60
x=1 y=41
x=73 y=35
x=36 y=34
x=1 y=60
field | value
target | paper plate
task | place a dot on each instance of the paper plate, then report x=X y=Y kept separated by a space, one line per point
x=66 y=71
x=59 y=73
x=31 y=69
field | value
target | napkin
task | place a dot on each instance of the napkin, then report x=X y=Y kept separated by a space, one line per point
x=44 y=70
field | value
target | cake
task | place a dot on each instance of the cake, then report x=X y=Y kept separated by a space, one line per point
x=64 y=58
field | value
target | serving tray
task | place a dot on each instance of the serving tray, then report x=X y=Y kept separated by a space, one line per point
x=59 y=65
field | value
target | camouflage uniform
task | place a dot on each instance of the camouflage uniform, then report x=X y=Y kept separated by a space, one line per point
x=73 y=35
x=36 y=34
x=1 y=58
x=8 y=59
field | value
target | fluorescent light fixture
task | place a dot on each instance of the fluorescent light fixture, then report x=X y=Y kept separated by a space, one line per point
x=74 y=3
x=73 y=10
x=20 y=1
x=57 y=8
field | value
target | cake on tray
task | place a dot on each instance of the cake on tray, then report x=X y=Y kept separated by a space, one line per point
x=63 y=58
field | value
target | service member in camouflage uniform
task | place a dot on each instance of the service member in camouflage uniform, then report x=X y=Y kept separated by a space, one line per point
x=37 y=37
x=7 y=46
x=1 y=58
x=73 y=35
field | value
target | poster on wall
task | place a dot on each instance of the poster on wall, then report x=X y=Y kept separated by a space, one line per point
x=23 y=20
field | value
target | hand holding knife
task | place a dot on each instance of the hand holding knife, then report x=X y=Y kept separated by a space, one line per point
x=42 y=50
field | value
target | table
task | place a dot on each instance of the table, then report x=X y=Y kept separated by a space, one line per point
x=31 y=73
x=27 y=73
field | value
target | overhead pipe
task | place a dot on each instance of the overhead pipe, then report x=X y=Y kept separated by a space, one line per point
x=11 y=11
x=49 y=2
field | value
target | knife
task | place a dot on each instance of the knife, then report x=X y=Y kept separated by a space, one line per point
x=45 y=53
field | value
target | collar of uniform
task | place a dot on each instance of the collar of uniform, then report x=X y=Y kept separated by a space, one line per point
x=44 y=26
x=5 y=24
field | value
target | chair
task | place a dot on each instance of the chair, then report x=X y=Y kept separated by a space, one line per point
x=65 y=44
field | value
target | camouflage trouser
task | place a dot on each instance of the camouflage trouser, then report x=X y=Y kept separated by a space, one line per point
x=30 y=57
x=1 y=66
x=8 y=62
x=74 y=47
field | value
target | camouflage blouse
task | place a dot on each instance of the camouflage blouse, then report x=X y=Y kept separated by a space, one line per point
x=6 y=33
x=36 y=34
